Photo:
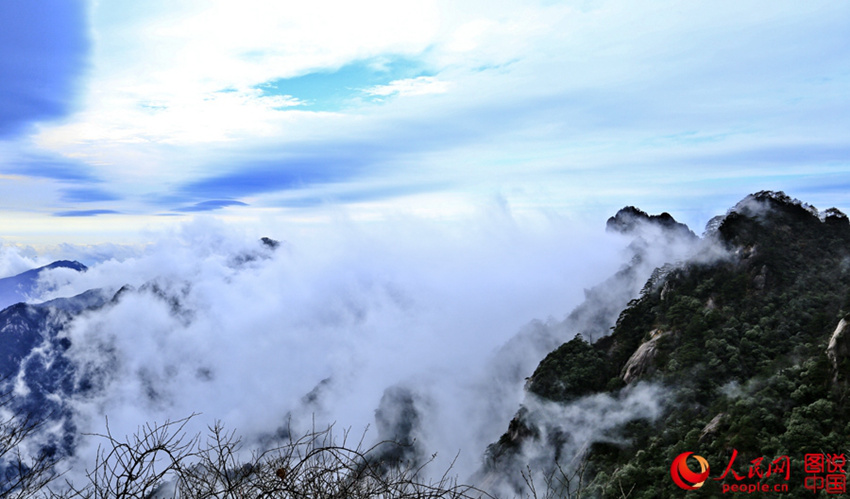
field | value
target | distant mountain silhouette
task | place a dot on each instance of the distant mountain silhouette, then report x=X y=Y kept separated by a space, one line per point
x=20 y=287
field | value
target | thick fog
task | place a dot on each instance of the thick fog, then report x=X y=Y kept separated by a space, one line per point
x=414 y=329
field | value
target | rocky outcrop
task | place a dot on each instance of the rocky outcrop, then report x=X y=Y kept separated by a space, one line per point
x=838 y=349
x=711 y=428
x=641 y=362
x=629 y=218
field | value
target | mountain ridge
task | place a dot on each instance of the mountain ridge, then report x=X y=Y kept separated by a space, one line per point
x=757 y=331
x=19 y=287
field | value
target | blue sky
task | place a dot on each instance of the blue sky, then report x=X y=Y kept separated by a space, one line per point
x=116 y=115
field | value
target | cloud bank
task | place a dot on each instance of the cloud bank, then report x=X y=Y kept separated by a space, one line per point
x=418 y=329
x=553 y=104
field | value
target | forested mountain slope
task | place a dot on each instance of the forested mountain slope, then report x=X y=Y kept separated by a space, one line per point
x=746 y=352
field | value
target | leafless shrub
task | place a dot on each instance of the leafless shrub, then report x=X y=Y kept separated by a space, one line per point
x=161 y=461
x=22 y=474
x=558 y=483
x=139 y=466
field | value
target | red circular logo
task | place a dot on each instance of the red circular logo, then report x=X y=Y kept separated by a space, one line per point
x=682 y=474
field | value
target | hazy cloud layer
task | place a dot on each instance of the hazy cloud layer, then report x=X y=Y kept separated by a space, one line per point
x=213 y=321
x=427 y=324
x=680 y=107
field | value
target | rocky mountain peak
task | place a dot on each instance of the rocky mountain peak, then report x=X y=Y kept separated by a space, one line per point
x=630 y=219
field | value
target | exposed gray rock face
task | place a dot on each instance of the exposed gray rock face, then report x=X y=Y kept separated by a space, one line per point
x=838 y=349
x=641 y=361
x=712 y=426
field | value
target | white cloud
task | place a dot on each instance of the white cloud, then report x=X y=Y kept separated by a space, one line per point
x=422 y=85
x=521 y=97
x=412 y=302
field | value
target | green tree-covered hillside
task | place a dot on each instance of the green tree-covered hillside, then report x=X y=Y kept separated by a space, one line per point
x=749 y=348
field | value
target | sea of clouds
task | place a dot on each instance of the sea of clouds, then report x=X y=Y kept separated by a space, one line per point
x=454 y=315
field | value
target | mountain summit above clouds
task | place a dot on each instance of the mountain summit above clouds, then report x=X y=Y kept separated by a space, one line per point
x=629 y=219
x=21 y=287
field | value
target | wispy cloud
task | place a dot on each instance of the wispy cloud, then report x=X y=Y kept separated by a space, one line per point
x=353 y=194
x=41 y=165
x=88 y=195
x=215 y=204
x=547 y=104
x=271 y=175
x=422 y=85
x=85 y=213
